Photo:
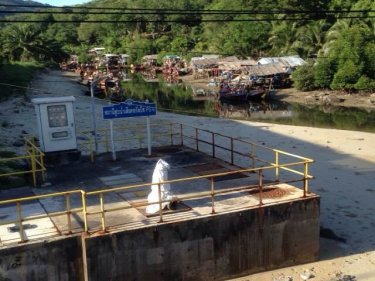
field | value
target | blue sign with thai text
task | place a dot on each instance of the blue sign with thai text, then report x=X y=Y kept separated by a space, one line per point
x=129 y=108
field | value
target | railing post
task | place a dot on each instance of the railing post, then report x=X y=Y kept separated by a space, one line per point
x=160 y=204
x=84 y=211
x=33 y=165
x=305 y=181
x=260 y=187
x=68 y=213
x=20 y=226
x=213 y=144
x=277 y=165
x=181 y=135
x=231 y=150
x=212 y=196
x=42 y=166
x=104 y=227
x=196 y=138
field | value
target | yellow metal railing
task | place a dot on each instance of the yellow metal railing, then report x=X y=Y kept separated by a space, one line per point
x=20 y=218
x=211 y=192
x=35 y=159
x=286 y=168
x=238 y=148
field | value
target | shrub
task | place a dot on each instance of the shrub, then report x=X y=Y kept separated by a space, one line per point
x=365 y=83
x=303 y=78
x=324 y=71
x=347 y=75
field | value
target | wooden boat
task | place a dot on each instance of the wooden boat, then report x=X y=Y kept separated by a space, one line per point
x=241 y=95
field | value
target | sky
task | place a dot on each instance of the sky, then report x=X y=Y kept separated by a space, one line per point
x=63 y=2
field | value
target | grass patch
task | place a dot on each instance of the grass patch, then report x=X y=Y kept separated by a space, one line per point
x=18 y=76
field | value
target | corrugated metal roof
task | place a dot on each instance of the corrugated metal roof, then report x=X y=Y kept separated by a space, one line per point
x=171 y=57
x=200 y=61
x=150 y=57
x=208 y=60
x=211 y=56
x=236 y=65
x=290 y=61
x=229 y=59
x=265 y=70
x=248 y=62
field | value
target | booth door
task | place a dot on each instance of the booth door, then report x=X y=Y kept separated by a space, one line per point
x=58 y=127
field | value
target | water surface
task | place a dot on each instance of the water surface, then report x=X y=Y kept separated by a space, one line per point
x=183 y=99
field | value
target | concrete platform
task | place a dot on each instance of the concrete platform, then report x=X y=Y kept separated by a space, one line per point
x=134 y=167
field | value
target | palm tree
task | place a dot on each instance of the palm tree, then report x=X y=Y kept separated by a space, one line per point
x=311 y=37
x=334 y=33
x=283 y=37
x=21 y=42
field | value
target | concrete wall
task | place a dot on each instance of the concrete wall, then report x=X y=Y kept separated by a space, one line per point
x=211 y=248
x=60 y=259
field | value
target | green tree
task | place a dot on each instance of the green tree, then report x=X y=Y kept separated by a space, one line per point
x=324 y=70
x=365 y=83
x=350 y=54
x=283 y=38
x=311 y=38
x=303 y=77
x=24 y=43
x=333 y=34
x=346 y=76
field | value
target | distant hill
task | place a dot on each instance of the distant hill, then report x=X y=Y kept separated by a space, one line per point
x=18 y=2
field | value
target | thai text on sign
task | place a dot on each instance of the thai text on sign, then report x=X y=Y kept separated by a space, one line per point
x=129 y=108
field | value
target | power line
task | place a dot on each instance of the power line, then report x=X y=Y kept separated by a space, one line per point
x=303 y=14
x=177 y=20
x=195 y=12
x=189 y=10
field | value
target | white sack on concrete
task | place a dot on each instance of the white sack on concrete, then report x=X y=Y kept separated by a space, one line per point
x=160 y=174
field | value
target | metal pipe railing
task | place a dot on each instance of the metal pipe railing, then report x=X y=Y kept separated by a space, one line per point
x=139 y=138
x=211 y=191
x=34 y=156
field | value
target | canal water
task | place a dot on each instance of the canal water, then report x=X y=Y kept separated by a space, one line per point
x=183 y=99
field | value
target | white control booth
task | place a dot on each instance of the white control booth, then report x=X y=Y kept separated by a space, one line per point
x=55 y=119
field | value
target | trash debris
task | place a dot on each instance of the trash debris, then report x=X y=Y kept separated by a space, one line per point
x=282 y=277
x=344 y=277
x=307 y=274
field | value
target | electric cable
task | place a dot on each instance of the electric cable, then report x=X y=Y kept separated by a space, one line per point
x=177 y=20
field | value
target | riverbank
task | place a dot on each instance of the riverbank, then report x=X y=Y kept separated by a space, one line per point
x=291 y=95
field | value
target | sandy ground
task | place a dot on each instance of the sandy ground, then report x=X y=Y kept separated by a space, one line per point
x=344 y=170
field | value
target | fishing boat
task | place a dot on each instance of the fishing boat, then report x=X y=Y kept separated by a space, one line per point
x=240 y=95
